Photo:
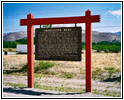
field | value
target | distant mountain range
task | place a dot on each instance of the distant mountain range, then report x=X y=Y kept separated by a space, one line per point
x=14 y=36
x=96 y=36
x=119 y=33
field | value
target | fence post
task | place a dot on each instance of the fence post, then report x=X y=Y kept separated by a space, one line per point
x=30 y=50
x=88 y=37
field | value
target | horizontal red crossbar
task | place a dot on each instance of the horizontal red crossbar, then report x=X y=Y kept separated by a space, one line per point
x=60 y=20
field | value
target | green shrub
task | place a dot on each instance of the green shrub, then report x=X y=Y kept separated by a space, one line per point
x=44 y=65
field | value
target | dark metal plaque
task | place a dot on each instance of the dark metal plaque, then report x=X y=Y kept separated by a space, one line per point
x=62 y=44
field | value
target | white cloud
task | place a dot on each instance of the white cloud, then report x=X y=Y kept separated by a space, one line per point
x=113 y=30
x=108 y=29
x=117 y=13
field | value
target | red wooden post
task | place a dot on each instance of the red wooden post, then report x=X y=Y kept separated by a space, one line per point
x=30 y=56
x=88 y=37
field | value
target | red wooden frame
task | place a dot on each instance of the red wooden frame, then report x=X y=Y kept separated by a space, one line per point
x=87 y=19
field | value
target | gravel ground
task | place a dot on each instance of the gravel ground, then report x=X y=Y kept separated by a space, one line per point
x=9 y=91
x=100 y=60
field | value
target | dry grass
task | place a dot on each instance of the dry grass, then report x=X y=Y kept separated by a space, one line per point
x=13 y=61
x=9 y=49
x=102 y=60
x=99 y=60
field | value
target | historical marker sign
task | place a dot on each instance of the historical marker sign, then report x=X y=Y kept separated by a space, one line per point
x=58 y=44
x=63 y=51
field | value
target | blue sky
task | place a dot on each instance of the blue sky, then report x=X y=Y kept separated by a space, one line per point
x=110 y=14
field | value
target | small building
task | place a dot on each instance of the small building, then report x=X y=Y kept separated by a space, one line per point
x=22 y=48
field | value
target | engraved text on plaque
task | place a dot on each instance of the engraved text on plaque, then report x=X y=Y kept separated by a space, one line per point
x=58 y=44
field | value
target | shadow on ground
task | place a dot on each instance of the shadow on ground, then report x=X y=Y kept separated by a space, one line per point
x=113 y=79
x=33 y=93
x=23 y=69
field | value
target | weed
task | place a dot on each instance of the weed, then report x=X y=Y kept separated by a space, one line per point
x=82 y=73
x=36 y=84
x=107 y=74
x=67 y=89
x=107 y=93
x=111 y=70
x=17 y=72
x=19 y=85
x=24 y=74
x=62 y=89
x=44 y=66
x=37 y=75
x=114 y=74
x=67 y=75
x=49 y=72
x=97 y=73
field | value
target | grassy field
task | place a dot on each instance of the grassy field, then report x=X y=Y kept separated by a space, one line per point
x=99 y=61
x=106 y=68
